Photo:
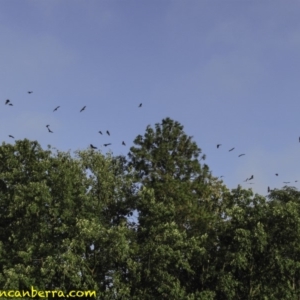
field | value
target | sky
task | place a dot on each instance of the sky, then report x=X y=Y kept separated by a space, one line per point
x=228 y=71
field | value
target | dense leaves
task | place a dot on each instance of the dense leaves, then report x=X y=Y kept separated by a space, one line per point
x=57 y=223
x=155 y=225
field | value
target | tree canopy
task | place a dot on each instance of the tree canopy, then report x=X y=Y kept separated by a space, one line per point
x=154 y=225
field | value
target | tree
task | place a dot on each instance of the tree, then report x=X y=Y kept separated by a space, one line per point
x=60 y=228
x=176 y=212
x=64 y=224
x=258 y=253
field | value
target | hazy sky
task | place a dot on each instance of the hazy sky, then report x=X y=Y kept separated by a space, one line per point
x=229 y=71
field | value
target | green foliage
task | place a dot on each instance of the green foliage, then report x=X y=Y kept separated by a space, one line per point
x=67 y=223
x=178 y=207
x=57 y=228
x=259 y=247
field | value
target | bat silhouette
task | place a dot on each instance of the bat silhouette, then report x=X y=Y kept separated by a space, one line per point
x=56 y=108
x=231 y=149
x=219 y=145
x=83 y=109
x=93 y=147
x=105 y=145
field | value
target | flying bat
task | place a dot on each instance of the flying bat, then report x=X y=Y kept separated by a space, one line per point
x=7 y=101
x=231 y=149
x=219 y=145
x=93 y=147
x=10 y=104
x=140 y=104
x=251 y=177
x=241 y=155
x=47 y=126
x=100 y=132
x=276 y=174
x=30 y=92
x=123 y=143
x=83 y=109
x=56 y=108
x=105 y=145
x=50 y=130
x=11 y=136
x=107 y=132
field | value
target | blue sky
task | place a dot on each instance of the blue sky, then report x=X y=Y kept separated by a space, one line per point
x=227 y=70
